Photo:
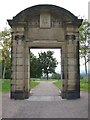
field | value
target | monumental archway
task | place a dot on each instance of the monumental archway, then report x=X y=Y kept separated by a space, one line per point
x=45 y=26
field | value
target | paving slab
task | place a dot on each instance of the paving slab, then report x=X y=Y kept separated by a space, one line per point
x=45 y=98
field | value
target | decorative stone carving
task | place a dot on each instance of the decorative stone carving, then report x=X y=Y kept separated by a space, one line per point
x=70 y=37
x=56 y=22
x=34 y=22
x=19 y=37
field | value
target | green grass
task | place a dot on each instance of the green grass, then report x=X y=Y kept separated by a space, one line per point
x=57 y=83
x=33 y=84
x=0 y=85
x=84 y=86
x=5 y=85
x=38 y=79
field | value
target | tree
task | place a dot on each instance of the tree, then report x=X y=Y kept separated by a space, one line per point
x=35 y=71
x=47 y=62
x=0 y=64
x=56 y=76
x=5 y=43
x=84 y=36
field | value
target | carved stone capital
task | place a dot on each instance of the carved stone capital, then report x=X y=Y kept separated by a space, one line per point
x=19 y=37
x=70 y=37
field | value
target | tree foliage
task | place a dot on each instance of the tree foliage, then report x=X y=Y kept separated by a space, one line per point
x=47 y=62
x=35 y=71
x=5 y=44
x=84 y=36
x=56 y=76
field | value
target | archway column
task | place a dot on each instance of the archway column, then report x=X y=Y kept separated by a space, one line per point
x=73 y=84
x=64 y=71
x=19 y=67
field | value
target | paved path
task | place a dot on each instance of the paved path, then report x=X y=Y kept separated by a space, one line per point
x=45 y=88
x=57 y=108
x=45 y=91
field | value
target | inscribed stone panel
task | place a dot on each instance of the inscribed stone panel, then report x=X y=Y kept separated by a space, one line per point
x=45 y=20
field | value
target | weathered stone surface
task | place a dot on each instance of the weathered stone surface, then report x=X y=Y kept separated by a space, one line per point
x=13 y=75
x=71 y=55
x=71 y=74
x=20 y=49
x=71 y=68
x=71 y=86
x=45 y=20
x=20 y=61
x=18 y=55
x=20 y=75
x=71 y=49
x=72 y=62
x=22 y=68
x=46 y=34
x=19 y=87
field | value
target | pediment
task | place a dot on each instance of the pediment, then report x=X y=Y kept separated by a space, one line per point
x=32 y=15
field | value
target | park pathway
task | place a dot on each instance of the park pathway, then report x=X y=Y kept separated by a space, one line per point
x=45 y=91
x=46 y=88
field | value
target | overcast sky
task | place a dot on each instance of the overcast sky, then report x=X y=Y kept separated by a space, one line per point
x=9 y=9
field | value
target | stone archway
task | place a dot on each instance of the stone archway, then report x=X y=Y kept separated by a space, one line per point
x=45 y=26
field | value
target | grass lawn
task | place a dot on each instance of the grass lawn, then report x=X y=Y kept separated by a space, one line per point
x=84 y=86
x=5 y=86
x=57 y=83
x=0 y=85
x=33 y=84
x=38 y=79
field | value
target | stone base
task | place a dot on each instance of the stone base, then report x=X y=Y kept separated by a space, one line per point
x=12 y=95
x=72 y=95
x=63 y=94
x=27 y=94
x=19 y=95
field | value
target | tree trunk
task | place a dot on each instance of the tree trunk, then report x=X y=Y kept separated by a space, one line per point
x=4 y=70
x=47 y=75
x=86 y=69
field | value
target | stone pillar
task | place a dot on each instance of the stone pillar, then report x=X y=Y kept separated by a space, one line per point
x=26 y=72
x=63 y=71
x=19 y=68
x=73 y=86
x=13 y=65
